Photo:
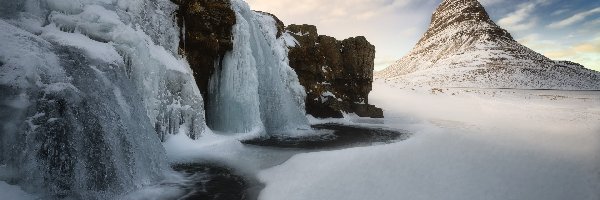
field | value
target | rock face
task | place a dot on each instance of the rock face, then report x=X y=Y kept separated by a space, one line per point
x=205 y=35
x=463 y=47
x=337 y=75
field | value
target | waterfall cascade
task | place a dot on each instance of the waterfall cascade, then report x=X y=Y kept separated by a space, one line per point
x=255 y=89
x=89 y=88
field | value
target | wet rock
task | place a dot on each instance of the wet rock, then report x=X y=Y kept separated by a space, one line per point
x=206 y=35
x=367 y=110
x=337 y=75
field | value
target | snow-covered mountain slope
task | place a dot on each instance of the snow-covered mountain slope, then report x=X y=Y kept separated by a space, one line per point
x=463 y=47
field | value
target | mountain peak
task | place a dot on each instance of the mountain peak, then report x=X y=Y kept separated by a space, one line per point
x=463 y=47
x=467 y=15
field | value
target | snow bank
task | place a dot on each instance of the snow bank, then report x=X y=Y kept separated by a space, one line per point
x=467 y=146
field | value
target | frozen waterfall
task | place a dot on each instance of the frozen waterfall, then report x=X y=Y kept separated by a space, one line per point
x=255 y=89
x=89 y=88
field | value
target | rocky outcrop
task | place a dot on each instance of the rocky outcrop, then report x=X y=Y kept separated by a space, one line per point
x=337 y=75
x=205 y=35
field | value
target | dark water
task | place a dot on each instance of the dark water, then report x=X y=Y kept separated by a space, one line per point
x=339 y=136
x=209 y=181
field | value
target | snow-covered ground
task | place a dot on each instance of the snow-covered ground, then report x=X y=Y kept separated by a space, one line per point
x=467 y=144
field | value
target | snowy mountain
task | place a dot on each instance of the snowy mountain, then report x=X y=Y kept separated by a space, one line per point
x=463 y=47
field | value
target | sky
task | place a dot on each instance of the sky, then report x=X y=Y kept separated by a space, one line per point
x=554 y=28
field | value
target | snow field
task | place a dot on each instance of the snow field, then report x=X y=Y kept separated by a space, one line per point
x=470 y=146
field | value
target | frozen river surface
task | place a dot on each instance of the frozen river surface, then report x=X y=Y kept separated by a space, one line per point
x=466 y=144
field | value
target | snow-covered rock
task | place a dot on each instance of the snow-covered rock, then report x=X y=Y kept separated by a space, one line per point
x=463 y=47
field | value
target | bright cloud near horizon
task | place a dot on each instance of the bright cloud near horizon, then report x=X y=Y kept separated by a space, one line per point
x=559 y=30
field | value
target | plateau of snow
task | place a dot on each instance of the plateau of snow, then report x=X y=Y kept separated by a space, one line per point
x=467 y=144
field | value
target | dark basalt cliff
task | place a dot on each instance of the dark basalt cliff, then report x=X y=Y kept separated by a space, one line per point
x=337 y=75
x=326 y=67
x=205 y=35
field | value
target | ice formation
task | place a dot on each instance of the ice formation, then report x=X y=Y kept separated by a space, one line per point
x=89 y=88
x=255 y=89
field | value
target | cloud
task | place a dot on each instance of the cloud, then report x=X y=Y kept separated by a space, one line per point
x=530 y=39
x=559 y=12
x=487 y=3
x=588 y=47
x=574 y=19
x=520 y=19
x=592 y=23
x=586 y=53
